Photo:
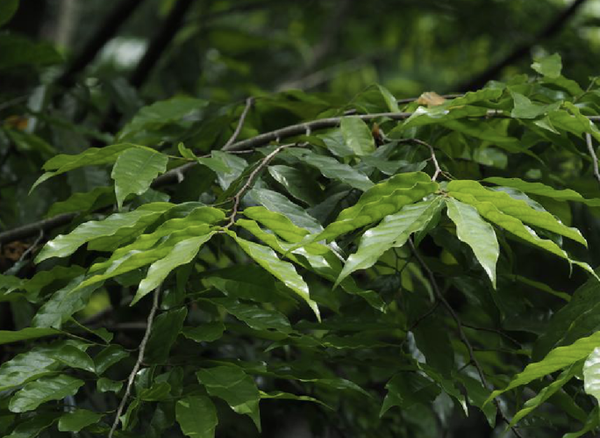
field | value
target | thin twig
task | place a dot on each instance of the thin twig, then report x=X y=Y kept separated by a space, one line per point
x=238 y=128
x=436 y=165
x=461 y=332
x=590 y=146
x=238 y=196
x=492 y=330
x=138 y=362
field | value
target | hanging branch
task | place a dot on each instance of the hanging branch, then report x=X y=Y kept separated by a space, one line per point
x=461 y=333
x=105 y=32
x=522 y=51
x=138 y=362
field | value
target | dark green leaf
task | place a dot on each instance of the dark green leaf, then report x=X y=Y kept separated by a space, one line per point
x=197 y=417
x=77 y=420
x=43 y=390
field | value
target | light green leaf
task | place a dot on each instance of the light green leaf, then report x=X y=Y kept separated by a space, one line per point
x=134 y=171
x=435 y=115
x=513 y=207
x=7 y=336
x=74 y=358
x=233 y=385
x=90 y=157
x=235 y=167
x=197 y=417
x=279 y=395
x=181 y=254
x=384 y=199
x=591 y=374
x=390 y=100
x=67 y=244
x=275 y=201
x=278 y=223
x=255 y=316
x=106 y=385
x=43 y=390
x=331 y=168
x=357 y=135
x=77 y=420
x=83 y=201
x=549 y=66
x=477 y=233
x=25 y=367
x=524 y=108
x=539 y=189
x=559 y=358
x=284 y=271
x=544 y=394
x=393 y=231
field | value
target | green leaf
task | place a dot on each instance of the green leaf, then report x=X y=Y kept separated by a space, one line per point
x=134 y=171
x=545 y=394
x=7 y=10
x=559 y=358
x=77 y=420
x=590 y=424
x=405 y=391
x=197 y=417
x=284 y=271
x=591 y=374
x=44 y=390
x=108 y=357
x=7 y=336
x=477 y=233
x=165 y=330
x=78 y=202
x=513 y=207
x=32 y=427
x=74 y=358
x=206 y=332
x=277 y=202
x=182 y=253
x=435 y=115
x=158 y=392
x=278 y=223
x=296 y=183
x=254 y=316
x=25 y=367
x=384 y=199
x=90 y=157
x=526 y=109
x=392 y=232
x=549 y=66
x=279 y=395
x=65 y=245
x=234 y=386
x=331 y=168
x=357 y=135
x=106 y=385
x=539 y=189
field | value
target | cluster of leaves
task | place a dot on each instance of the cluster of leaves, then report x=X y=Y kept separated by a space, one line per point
x=382 y=274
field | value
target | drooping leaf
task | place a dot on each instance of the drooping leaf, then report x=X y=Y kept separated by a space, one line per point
x=357 y=135
x=44 y=390
x=197 y=417
x=234 y=386
x=77 y=420
x=279 y=395
x=277 y=222
x=7 y=336
x=477 y=233
x=514 y=208
x=67 y=244
x=134 y=171
x=557 y=359
x=384 y=199
x=393 y=231
x=181 y=254
x=284 y=271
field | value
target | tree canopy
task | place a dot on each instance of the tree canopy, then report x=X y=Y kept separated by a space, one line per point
x=299 y=219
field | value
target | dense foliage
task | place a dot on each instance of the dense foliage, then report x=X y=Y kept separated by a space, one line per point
x=298 y=264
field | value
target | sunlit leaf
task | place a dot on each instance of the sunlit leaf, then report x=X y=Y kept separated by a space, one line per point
x=44 y=390
x=197 y=417
x=357 y=135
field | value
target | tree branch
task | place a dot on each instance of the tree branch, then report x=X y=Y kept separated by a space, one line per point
x=522 y=51
x=138 y=362
x=238 y=128
x=461 y=333
x=590 y=146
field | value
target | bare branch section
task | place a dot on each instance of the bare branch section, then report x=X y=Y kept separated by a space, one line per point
x=590 y=146
x=461 y=333
x=240 y=125
x=138 y=362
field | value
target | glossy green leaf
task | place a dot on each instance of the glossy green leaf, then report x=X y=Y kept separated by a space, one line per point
x=278 y=223
x=235 y=167
x=544 y=394
x=32 y=427
x=90 y=157
x=182 y=253
x=514 y=208
x=7 y=336
x=197 y=417
x=26 y=366
x=108 y=357
x=206 y=332
x=106 y=385
x=539 y=189
x=477 y=233
x=591 y=374
x=43 y=390
x=549 y=66
x=75 y=358
x=557 y=359
x=165 y=330
x=134 y=171
x=255 y=316
x=393 y=231
x=384 y=199
x=77 y=420
x=357 y=135
x=295 y=182
x=333 y=169
x=284 y=271
x=234 y=386
x=67 y=244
